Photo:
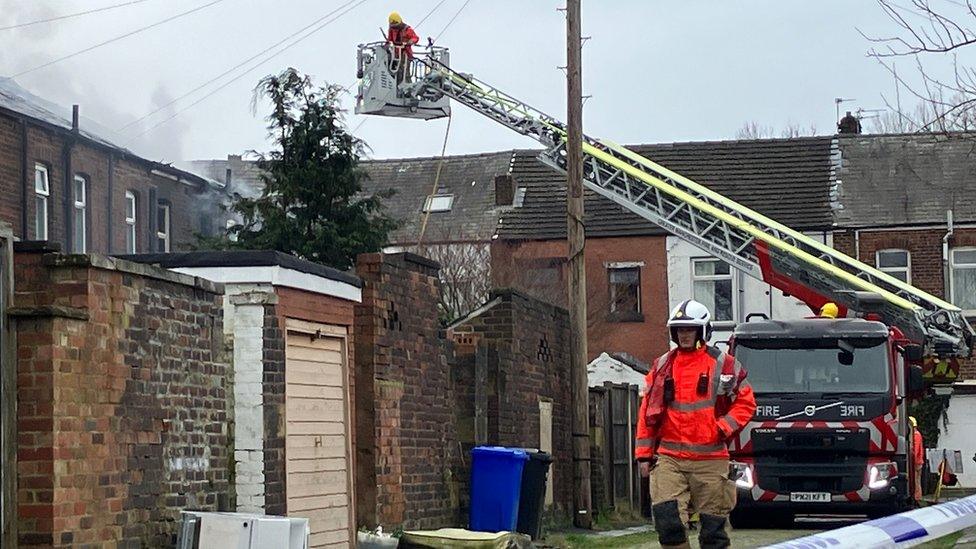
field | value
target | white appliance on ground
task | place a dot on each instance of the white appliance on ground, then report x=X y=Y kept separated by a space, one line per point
x=214 y=530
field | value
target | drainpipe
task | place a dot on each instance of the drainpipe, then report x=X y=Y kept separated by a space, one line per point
x=946 y=273
x=857 y=244
x=27 y=183
x=69 y=144
x=111 y=194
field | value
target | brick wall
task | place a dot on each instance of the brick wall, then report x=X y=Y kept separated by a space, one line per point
x=925 y=249
x=525 y=342
x=538 y=269
x=106 y=207
x=276 y=498
x=122 y=388
x=406 y=442
x=244 y=324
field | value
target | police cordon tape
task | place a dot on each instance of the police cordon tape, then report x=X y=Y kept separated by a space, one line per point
x=902 y=530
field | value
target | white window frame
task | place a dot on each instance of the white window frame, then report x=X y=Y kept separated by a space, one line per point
x=41 y=199
x=132 y=241
x=79 y=211
x=163 y=232
x=952 y=273
x=713 y=278
x=431 y=206
x=907 y=269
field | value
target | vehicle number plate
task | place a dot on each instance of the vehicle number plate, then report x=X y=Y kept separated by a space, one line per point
x=810 y=497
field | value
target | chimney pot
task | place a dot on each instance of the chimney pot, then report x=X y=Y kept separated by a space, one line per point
x=74 y=118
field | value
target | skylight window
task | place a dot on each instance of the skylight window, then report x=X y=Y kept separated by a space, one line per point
x=439 y=203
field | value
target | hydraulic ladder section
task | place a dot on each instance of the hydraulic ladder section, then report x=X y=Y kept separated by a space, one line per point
x=747 y=240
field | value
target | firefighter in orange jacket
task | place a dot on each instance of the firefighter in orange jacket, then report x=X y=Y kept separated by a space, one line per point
x=695 y=400
x=918 y=459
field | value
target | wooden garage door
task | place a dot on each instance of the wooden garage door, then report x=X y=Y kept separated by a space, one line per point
x=319 y=483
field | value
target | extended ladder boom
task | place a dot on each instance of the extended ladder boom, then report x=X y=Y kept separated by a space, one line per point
x=763 y=248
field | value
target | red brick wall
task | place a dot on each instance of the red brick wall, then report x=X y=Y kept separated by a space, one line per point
x=513 y=261
x=47 y=147
x=123 y=418
x=925 y=248
x=10 y=173
x=406 y=442
x=524 y=345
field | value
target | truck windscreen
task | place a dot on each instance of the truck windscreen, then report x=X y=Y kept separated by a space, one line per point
x=815 y=366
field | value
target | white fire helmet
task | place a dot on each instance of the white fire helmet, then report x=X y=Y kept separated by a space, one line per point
x=690 y=313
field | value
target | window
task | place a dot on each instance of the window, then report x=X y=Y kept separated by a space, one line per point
x=130 y=222
x=439 y=203
x=712 y=286
x=624 y=293
x=79 y=235
x=963 y=273
x=897 y=263
x=162 y=227
x=42 y=191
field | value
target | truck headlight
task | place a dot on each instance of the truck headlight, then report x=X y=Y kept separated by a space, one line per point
x=742 y=474
x=880 y=474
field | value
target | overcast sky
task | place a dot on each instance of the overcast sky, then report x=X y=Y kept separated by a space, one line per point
x=658 y=70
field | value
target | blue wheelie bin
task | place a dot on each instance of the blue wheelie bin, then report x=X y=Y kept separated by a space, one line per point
x=496 y=481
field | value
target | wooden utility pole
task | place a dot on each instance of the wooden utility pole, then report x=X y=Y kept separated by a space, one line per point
x=582 y=516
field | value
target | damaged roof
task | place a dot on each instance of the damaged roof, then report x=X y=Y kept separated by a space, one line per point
x=906 y=179
x=18 y=101
x=469 y=181
x=788 y=180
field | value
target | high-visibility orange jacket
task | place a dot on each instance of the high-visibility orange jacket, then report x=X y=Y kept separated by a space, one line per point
x=403 y=36
x=918 y=448
x=712 y=401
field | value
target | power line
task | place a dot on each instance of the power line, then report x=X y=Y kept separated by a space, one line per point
x=70 y=15
x=246 y=72
x=237 y=66
x=117 y=38
x=449 y=23
x=431 y=12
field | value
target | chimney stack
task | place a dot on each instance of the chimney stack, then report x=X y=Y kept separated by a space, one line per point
x=504 y=190
x=850 y=124
x=74 y=118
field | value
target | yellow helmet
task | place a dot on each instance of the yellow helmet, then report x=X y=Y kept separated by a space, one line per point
x=829 y=310
x=395 y=18
x=911 y=419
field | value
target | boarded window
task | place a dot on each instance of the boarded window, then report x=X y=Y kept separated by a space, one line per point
x=624 y=293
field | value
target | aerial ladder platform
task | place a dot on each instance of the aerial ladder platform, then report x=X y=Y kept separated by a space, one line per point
x=761 y=247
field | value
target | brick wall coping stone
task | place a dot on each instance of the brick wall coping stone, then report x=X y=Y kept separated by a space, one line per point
x=98 y=261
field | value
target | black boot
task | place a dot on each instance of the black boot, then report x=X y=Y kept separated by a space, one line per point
x=670 y=531
x=713 y=534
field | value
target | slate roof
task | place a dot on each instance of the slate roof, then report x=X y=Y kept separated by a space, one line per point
x=907 y=179
x=18 y=101
x=469 y=178
x=786 y=179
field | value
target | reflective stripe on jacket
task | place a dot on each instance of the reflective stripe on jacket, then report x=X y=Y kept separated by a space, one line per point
x=403 y=36
x=694 y=425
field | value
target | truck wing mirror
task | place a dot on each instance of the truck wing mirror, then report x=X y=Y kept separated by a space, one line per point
x=916 y=383
x=845 y=357
x=913 y=353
